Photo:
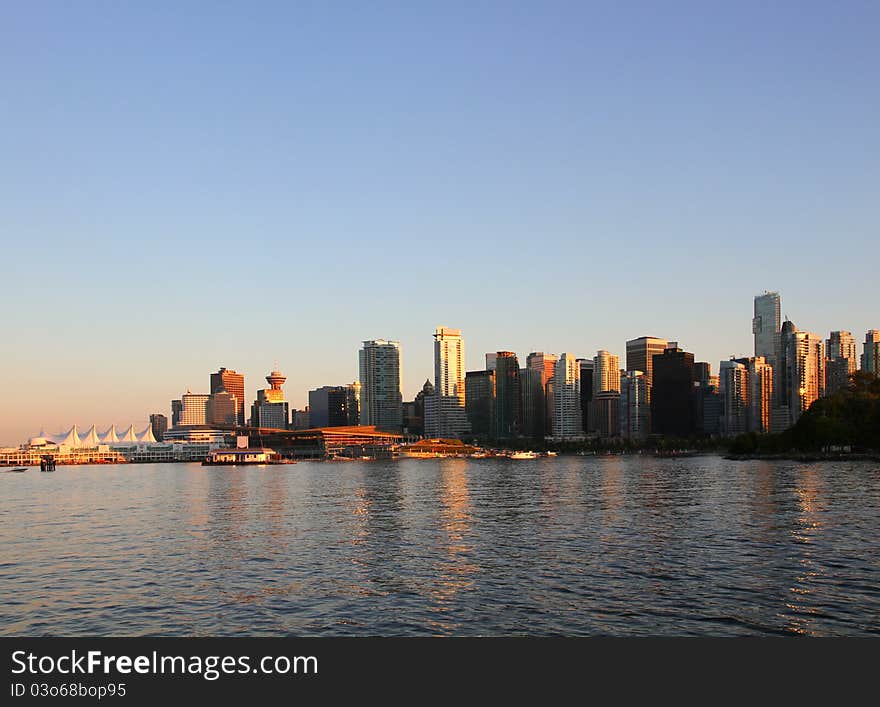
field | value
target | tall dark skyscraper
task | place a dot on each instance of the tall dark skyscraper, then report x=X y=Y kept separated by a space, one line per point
x=159 y=425
x=480 y=402
x=672 y=399
x=508 y=405
x=586 y=365
x=233 y=383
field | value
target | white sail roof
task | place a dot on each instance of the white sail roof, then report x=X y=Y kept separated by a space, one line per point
x=91 y=438
x=71 y=439
x=129 y=435
x=110 y=435
x=147 y=435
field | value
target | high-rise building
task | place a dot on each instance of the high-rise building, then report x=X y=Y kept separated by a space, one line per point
x=567 y=421
x=159 y=424
x=532 y=401
x=734 y=380
x=640 y=356
x=634 y=406
x=605 y=410
x=352 y=404
x=672 y=396
x=871 y=353
x=586 y=365
x=176 y=412
x=194 y=409
x=842 y=361
x=222 y=408
x=328 y=406
x=449 y=382
x=270 y=409
x=414 y=411
x=490 y=361
x=232 y=382
x=545 y=365
x=766 y=326
x=707 y=400
x=760 y=393
x=508 y=405
x=381 y=401
x=480 y=402
x=801 y=372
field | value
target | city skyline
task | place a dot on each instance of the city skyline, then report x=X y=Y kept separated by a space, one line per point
x=184 y=186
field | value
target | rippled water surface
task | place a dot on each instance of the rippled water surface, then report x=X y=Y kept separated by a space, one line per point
x=570 y=546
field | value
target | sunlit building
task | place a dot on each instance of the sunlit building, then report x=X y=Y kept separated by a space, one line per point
x=841 y=362
x=871 y=353
x=270 y=409
x=381 y=401
x=802 y=375
x=605 y=409
x=232 y=382
x=193 y=409
x=734 y=382
x=545 y=365
x=567 y=421
x=766 y=326
x=449 y=382
x=222 y=408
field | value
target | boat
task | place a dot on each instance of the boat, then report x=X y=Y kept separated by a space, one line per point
x=524 y=455
x=15 y=471
x=552 y=454
x=245 y=456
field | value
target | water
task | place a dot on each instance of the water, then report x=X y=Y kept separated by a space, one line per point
x=566 y=546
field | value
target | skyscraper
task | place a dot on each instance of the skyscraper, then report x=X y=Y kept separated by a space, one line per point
x=842 y=361
x=605 y=411
x=634 y=405
x=222 y=408
x=672 y=397
x=232 y=382
x=352 y=404
x=380 y=377
x=532 y=402
x=508 y=405
x=328 y=406
x=480 y=402
x=871 y=353
x=194 y=409
x=766 y=326
x=586 y=365
x=567 y=421
x=449 y=382
x=734 y=382
x=802 y=374
x=159 y=423
x=545 y=365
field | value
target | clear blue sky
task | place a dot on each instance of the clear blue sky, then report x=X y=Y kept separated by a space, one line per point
x=189 y=185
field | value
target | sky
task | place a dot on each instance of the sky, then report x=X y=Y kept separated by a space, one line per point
x=185 y=186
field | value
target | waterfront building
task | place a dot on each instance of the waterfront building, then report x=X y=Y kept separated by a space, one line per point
x=640 y=357
x=672 y=396
x=193 y=409
x=222 y=409
x=301 y=419
x=734 y=379
x=352 y=403
x=480 y=402
x=490 y=361
x=159 y=424
x=270 y=409
x=586 y=375
x=567 y=420
x=381 y=402
x=449 y=383
x=508 y=404
x=531 y=393
x=634 y=406
x=766 y=326
x=328 y=406
x=545 y=365
x=841 y=361
x=802 y=375
x=871 y=353
x=232 y=382
x=605 y=411
x=176 y=411
x=414 y=412
x=110 y=436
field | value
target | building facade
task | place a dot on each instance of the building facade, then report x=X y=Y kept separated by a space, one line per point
x=449 y=383
x=567 y=420
x=270 y=409
x=545 y=365
x=480 y=402
x=634 y=406
x=381 y=402
x=232 y=382
x=508 y=405
x=871 y=353
x=672 y=396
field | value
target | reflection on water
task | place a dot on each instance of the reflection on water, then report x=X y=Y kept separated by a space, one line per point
x=565 y=546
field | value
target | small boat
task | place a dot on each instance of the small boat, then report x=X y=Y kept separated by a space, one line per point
x=19 y=470
x=524 y=455
x=552 y=454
